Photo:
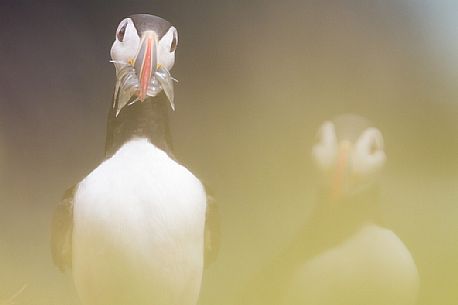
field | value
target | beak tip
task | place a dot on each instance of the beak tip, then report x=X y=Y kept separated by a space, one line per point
x=141 y=97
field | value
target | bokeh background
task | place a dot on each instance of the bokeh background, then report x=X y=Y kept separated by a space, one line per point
x=257 y=78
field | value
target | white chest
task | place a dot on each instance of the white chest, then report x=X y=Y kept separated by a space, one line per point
x=138 y=230
x=371 y=267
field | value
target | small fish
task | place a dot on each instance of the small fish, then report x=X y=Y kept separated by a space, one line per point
x=161 y=80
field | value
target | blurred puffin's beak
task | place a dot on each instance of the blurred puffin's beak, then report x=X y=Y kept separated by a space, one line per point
x=341 y=167
x=146 y=62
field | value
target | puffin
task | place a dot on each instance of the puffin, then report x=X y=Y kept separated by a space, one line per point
x=342 y=253
x=140 y=227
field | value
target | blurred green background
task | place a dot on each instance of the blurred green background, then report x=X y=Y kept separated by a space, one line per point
x=257 y=78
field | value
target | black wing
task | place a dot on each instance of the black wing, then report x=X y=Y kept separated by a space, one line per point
x=61 y=232
x=211 y=230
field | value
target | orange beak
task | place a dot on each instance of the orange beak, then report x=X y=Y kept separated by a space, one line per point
x=341 y=167
x=146 y=62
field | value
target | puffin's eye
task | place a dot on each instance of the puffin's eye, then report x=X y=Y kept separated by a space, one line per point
x=121 y=32
x=173 y=45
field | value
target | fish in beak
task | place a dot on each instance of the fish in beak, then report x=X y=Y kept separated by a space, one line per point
x=152 y=77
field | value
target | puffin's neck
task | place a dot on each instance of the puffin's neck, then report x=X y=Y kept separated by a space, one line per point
x=147 y=119
x=349 y=211
x=331 y=222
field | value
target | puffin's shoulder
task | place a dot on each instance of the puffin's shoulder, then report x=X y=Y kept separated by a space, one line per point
x=140 y=162
x=385 y=249
x=375 y=250
x=372 y=265
x=383 y=245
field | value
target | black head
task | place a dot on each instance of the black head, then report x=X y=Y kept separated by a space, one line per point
x=146 y=22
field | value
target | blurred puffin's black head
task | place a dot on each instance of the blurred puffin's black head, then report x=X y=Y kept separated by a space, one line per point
x=144 y=53
x=349 y=152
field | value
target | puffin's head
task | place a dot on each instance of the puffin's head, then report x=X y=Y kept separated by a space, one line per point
x=143 y=53
x=349 y=152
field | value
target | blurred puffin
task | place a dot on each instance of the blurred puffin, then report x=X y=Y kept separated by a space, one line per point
x=342 y=254
x=133 y=230
x=352 y=259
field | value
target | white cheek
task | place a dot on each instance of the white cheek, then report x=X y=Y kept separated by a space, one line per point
x=115 y=51
x=128 y=48
x=324 y=155
x=166 y=58
x=325 y=152
x=328 y=134
x=364 y=162
x=124 y=51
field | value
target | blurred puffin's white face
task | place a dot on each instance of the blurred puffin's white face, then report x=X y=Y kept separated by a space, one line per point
x=368 y=156
x=325 y=151
x=348 y=163
x=127 y=45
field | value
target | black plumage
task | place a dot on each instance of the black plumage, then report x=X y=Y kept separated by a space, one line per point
x=146 y=22
x=147 y=119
